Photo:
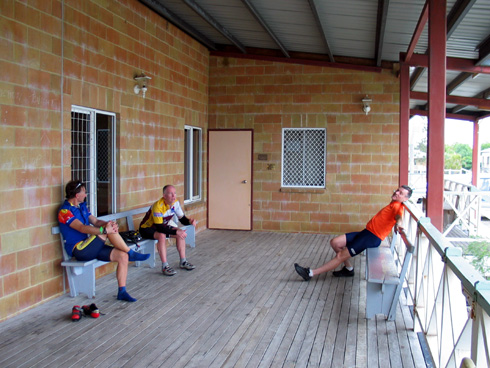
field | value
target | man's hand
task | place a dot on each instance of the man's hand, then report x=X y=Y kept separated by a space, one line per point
x=181 y=234
x=398 y=228
x=111 y=227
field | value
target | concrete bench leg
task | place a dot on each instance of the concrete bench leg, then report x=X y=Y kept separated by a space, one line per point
x=147 y=246
x=191 y=235
x=81 y=280
x=379 y=299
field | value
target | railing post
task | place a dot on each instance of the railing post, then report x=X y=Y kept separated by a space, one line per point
x=480 y=326
x=421 y=251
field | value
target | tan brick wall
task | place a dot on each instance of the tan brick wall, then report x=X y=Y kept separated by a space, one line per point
x=104 y=44
x=362 y=151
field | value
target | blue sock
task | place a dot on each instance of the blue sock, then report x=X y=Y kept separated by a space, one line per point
x=134 y=256
x=123 y=295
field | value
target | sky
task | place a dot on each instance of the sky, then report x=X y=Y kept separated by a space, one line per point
x=456 y=131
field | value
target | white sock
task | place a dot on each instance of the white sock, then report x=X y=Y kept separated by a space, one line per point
x=310 y=273
x=349 y=268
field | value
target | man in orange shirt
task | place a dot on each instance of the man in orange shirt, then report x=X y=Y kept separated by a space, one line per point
x=349 y=245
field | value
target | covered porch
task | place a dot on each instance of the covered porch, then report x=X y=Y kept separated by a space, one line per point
x=243 y=306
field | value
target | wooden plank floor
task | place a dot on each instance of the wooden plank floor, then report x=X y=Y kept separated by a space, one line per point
x=243 y=306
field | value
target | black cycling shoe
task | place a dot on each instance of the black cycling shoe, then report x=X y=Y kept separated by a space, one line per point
x=303 y=272
x=344 y=272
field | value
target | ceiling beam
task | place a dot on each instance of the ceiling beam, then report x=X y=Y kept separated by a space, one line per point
x=449 y=115
x=456 y=82
x=457 y=14
x=416 y=74
x=299 y=61
x=264 y=24
x=484 y=51
x=380 y=29
x=314 y=10
x=454 y=18
x=484 y=54
x=460 y=100
x=424 y=16
x=460 y=64
x=213 y=22
x=158 y=8
x=483 y=94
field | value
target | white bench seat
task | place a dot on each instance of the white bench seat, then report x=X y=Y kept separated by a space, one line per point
x=384 y=279
x=81 y=274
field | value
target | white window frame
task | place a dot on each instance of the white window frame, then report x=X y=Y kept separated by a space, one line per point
x=189 y=178
x=91 y=183
x=303 y=145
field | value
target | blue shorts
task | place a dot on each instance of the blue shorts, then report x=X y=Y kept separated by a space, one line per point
x=97 y=249
x=359 y=241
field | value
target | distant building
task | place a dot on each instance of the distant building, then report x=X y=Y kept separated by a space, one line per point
x=485 y=160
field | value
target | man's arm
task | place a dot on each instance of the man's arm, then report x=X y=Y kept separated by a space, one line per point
x=187 y=221
x=84 y=229
x=108 y=227
x=399 y=223
x=96 y=222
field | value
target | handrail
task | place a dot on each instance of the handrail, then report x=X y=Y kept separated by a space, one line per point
x=451 y=300
x=409 y=245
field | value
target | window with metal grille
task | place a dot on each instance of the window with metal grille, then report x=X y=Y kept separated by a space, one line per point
x=192 y=164
x=303 y=157
x=92 y=157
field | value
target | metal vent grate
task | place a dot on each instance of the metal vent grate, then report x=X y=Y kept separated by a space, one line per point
x=304 y=158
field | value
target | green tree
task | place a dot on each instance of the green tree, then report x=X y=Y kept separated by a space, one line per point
x=466 y=154
x=452 y=159
x=485 y=146
x=480 y=250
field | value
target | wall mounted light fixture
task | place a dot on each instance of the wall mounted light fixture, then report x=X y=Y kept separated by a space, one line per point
x=366 y=104
x=142 y=81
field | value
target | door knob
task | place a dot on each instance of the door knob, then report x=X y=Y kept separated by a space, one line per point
x=244 y=182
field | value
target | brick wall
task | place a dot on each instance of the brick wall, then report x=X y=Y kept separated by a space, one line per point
x=104 y=44
x=362 y=150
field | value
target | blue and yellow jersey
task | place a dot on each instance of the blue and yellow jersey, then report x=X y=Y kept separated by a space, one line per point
x=67 y=214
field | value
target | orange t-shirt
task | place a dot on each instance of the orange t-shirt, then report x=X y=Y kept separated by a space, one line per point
x=382 y=223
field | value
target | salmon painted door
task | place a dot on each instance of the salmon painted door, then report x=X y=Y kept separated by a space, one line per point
x=230 y=179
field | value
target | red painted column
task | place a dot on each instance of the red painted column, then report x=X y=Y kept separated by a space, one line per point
x=404 y=124
x=437 y=112
x=475 y=168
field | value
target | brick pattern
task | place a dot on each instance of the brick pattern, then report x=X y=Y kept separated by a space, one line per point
x=104 y=45
x=362 y=150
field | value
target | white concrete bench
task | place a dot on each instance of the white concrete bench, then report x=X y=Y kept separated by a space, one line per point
x=81 y=274
x=385 y=275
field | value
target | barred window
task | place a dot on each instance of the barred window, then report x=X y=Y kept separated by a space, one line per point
x=93 y=155
x=192 y=164
x=303 y=157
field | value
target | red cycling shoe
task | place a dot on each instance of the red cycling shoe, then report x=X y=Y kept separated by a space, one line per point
x=91 y=310
x=76 y=313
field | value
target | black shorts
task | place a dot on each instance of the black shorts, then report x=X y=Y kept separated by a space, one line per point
x=97 y=249
x=359 y=241
x=149 y=232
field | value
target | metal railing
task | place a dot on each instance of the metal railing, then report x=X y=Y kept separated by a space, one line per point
x=450 y=298
x=463 y=201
